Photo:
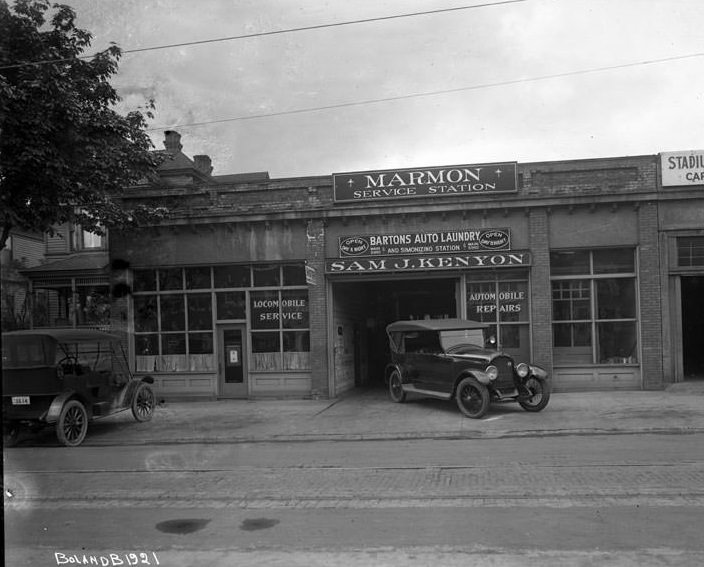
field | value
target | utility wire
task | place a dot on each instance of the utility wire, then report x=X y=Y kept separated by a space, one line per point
x=269 y=33
x=430 y=93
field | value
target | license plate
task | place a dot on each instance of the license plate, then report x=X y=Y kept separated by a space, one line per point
x=20 y=400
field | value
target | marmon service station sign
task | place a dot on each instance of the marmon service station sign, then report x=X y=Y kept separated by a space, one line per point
x=425 y=182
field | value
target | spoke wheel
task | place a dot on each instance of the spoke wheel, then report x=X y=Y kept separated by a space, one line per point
x=10 y=434
x=539 y=394
x=72 y=426
x=143 y=402
x=396 y=392
x=472 y=398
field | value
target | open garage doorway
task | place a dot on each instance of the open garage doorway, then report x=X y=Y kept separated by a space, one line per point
x=693 y=327
x=363 y=309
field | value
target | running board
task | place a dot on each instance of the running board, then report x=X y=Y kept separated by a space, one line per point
x=410 y=389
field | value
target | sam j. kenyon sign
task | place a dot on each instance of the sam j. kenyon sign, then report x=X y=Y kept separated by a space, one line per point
x=425 y=182
x=429 y=262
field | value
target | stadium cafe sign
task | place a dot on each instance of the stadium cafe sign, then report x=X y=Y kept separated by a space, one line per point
x=427 y=262
x=425 y=182
x=682 y=168
x=436 y=242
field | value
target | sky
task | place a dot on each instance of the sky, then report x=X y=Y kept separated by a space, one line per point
x=486 y=65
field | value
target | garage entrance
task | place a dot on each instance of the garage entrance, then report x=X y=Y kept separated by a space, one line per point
x=363 y=309
x=693 y=327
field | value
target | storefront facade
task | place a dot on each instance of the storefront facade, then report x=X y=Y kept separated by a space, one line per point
x=261 y=287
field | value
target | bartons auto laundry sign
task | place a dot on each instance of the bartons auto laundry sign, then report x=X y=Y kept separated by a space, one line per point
x=425 y=182
x=460 y=240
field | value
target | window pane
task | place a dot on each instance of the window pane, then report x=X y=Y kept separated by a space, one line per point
x=200 y=343
x=146 y=345
x=569 y=262
x=616 y=298
x=294 y=274
x=266 y=275
x=690 y=251
x=200 y=314
x=294 y=309
x=481 y=301
x=266 y=351
x=617 y=343
x=513 y=301
x=296 y=341
x=231 y=305
x=232 y=276
x=170 y=279
x=173 y=344
x=172 y=313
x=197 y=278
x=144 y=280
x=145 y=313
x=571 y=300
x=572 y=334
x=515 y=341
x=265 y=309
x=614 y=261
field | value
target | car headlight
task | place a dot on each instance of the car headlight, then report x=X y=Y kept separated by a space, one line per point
x=522 y=370
x=492 y=372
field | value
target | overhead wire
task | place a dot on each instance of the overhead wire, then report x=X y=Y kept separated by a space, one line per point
x=270 y=33
x=430 y=93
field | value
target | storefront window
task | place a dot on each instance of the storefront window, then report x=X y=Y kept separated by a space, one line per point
x=174 y=327
x=594 y=316
x=690 y=251
x=501 y=300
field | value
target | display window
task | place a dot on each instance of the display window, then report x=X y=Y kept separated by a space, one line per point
x=501 y=299
x=594 y=306
x=175 y=311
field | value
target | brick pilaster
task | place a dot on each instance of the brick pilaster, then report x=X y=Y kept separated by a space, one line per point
x=317 y=297
x=541 y=297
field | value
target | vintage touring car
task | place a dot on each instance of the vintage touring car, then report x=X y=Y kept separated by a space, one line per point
x=65 y=378
x=453 y=358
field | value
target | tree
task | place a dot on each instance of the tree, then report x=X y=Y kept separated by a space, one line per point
x=66 y=154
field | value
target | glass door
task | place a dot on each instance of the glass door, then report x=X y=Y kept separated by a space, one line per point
x=232 y=363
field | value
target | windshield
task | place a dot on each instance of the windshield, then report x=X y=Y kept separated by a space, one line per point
x=471 y=337
x=28 y=351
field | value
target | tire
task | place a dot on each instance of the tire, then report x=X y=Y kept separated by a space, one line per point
x=396 y=392
x=10 y=434
x=472 y=398
x=143 y=402
x=540 y=394
x=72 y=426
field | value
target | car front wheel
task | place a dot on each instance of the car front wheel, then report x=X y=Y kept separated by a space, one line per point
x=143 y=402
x=538 y=394
x=72 y=426
x=396 y=392
x=472 y=398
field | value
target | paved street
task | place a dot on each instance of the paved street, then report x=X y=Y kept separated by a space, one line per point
x=631 y=499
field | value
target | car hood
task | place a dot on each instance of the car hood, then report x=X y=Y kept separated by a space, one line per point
x=478 y=354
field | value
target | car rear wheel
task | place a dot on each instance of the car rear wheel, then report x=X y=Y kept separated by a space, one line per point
x=143 y=402
x=472 y=398
x=10 y=434
x=396 y=392
x=539 y=394
x=72 y=426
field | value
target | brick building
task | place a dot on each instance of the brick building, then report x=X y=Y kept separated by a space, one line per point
x=282 y=287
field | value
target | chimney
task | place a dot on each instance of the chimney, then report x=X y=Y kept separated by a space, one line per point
x=204 y=164
x=172 y=141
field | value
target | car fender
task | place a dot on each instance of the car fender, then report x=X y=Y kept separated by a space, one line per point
x=54 y=411
x=389 y=369
x=480 y=376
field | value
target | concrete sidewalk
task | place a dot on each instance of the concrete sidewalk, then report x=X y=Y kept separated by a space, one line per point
x=370 y=415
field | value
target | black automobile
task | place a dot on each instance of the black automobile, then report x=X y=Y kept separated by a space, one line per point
x=65 y=378
x=453 y=358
